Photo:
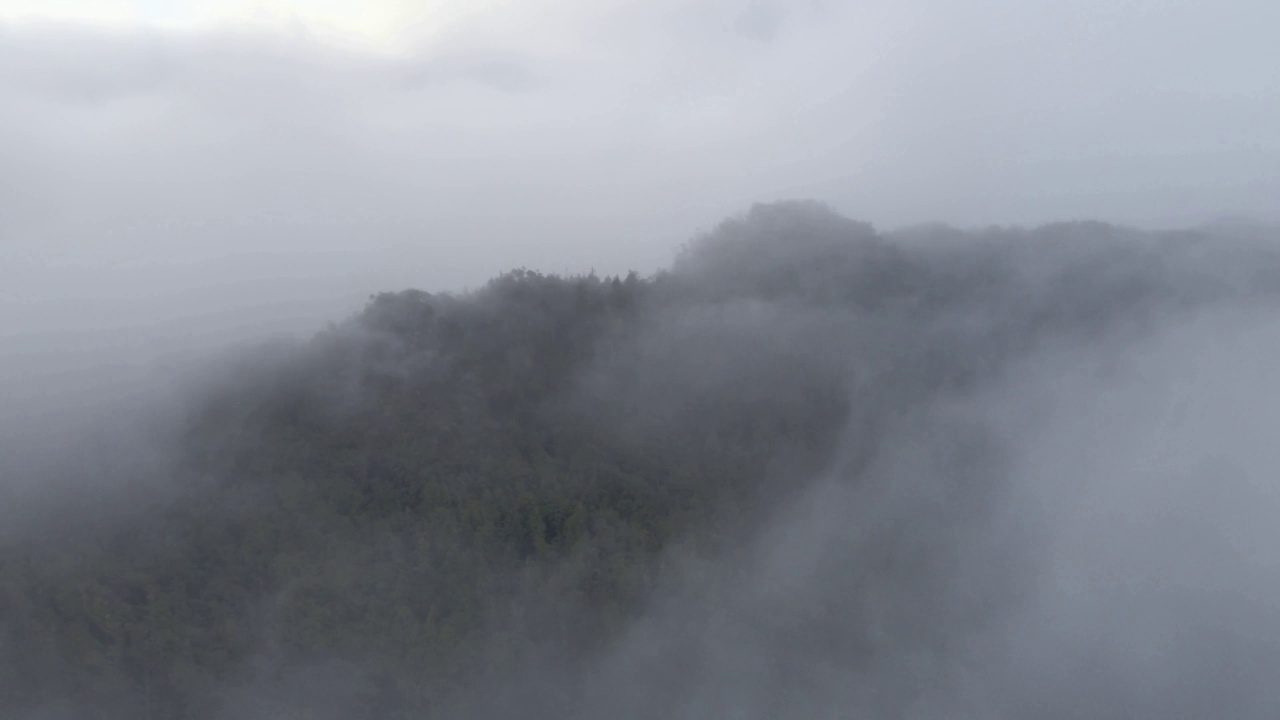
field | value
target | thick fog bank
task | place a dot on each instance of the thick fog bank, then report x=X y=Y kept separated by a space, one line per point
x=1054 y=496
x=811 y=470
x=1093 y=535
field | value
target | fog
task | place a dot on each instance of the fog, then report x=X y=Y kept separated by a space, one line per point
x=1093 y=538
x=1067 y=518
x=1049 y=492
x=1062 y=482
x=224 y=176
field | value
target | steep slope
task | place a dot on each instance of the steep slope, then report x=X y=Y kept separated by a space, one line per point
x=449 y=493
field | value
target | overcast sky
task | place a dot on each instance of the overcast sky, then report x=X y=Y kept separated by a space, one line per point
x=177 y=173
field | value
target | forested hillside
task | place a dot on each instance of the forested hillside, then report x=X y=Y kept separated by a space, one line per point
x=454 y=505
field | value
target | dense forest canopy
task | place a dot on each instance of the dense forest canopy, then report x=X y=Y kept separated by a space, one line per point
x=556 y=496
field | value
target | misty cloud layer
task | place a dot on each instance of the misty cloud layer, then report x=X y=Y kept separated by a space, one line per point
x=1047 y=489
x=1066 y=518
x=1082 y=541
x=1035 y=476
x=165 y=192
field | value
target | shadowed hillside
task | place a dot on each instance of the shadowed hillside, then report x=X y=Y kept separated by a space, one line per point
x=465 y=505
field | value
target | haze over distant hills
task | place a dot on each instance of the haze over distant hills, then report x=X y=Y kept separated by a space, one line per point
x=810 y=470
x=347 y=369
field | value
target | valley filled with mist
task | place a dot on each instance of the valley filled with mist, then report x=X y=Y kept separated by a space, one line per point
x=808 y=470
